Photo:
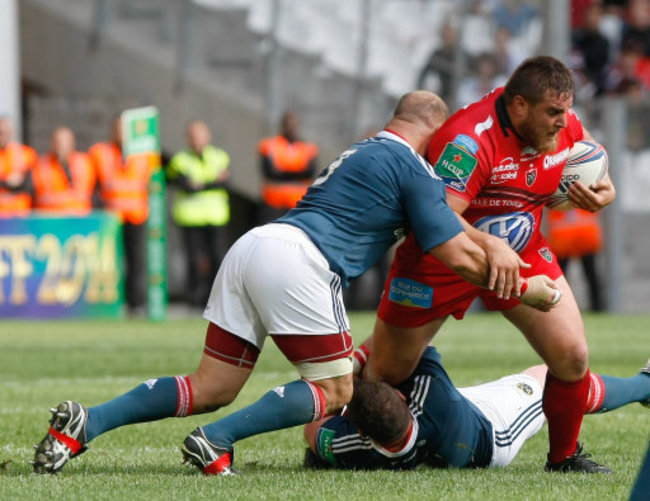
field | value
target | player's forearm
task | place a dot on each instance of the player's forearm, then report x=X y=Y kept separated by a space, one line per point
x=465 y=257
x=477 y=236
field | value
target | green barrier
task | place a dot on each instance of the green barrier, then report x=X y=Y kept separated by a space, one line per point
x=157 y=249
x=141 y=135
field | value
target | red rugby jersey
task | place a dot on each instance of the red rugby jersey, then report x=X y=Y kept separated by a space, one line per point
x=481 y=159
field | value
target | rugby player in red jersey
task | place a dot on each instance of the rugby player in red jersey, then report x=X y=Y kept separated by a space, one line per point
x=501 y=158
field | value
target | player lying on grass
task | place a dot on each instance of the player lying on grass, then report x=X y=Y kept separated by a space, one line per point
x=426 y=420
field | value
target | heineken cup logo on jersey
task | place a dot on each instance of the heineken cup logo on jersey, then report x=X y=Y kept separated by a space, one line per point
x=454 y=166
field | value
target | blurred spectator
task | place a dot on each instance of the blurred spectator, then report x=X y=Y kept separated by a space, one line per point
x=288 y=166
x=124 y=190
x=484 y=80
x=631 y=69
x=592 y=50
x=577 y=234
x=64 y=179
x=201 y=207
x=508 y=55
x=578 y=12
x=16 y=163
x=611 y=26
x=446 y=65
x=514 y=15
x=637 y=132
x=637 y=25
x=615 y=6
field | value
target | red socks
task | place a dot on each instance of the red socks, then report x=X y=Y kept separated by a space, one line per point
x=564 y=405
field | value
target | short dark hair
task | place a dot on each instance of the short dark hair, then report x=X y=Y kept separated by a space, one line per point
x=378 y=411
x=537 y=76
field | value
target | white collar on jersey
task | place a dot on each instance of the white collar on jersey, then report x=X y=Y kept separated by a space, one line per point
x=408 y=446
x=391 y=135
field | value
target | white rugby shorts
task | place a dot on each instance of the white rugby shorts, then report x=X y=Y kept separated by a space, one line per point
x=513 y=404
x=275 y=281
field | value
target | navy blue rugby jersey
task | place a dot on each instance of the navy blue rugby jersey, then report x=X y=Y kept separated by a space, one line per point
x=365 y=200
x=448 y=430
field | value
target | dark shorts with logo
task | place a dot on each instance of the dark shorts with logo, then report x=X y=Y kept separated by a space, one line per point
x=420 y=288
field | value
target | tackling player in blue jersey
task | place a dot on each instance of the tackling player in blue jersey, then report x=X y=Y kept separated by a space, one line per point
x=426 y=420
x=284 y=280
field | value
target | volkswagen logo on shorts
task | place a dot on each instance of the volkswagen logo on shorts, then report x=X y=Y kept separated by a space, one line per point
x=515 y=228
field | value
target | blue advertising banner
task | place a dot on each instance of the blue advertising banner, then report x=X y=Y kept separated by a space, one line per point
x=61 y=266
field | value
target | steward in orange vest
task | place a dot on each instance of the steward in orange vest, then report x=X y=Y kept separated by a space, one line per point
x=288 y=165
x=574 y=233
x=64 y=179
x=16 y=164
x=123 y=188
x=123 y=184
x=577 y=234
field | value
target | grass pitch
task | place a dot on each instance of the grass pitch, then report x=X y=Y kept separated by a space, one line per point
x=42 y=363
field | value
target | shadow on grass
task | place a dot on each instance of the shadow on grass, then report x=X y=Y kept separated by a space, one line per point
x=18 y=468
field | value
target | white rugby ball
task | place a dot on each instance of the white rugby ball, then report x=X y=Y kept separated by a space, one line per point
x=587 y=163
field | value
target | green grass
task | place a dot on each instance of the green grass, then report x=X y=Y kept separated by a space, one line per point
x=42 y=363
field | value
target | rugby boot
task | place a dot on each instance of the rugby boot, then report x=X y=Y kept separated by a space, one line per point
x=64 y=440
x=579 y=463
x=211 y=459
x=646 y=370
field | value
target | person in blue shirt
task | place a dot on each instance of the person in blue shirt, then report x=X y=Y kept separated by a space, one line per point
x=284 y=280
x=427 y=420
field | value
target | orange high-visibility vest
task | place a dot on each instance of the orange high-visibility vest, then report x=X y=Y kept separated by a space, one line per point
x=291 y=157
x=124 y=185
x=54 y=192
x=574 y=233
x=15 y=158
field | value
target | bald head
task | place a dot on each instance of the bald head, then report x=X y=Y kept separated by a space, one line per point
x=421 y=107
x=198 y=135
x=417 y=116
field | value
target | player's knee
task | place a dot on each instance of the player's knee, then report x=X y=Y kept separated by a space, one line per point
x=573 y=364
x=337 y=391
x=334 y=378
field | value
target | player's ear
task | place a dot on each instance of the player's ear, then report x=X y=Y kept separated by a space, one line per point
x=518 y=107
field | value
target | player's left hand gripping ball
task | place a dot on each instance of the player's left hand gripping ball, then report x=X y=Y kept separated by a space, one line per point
x=540 y=292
